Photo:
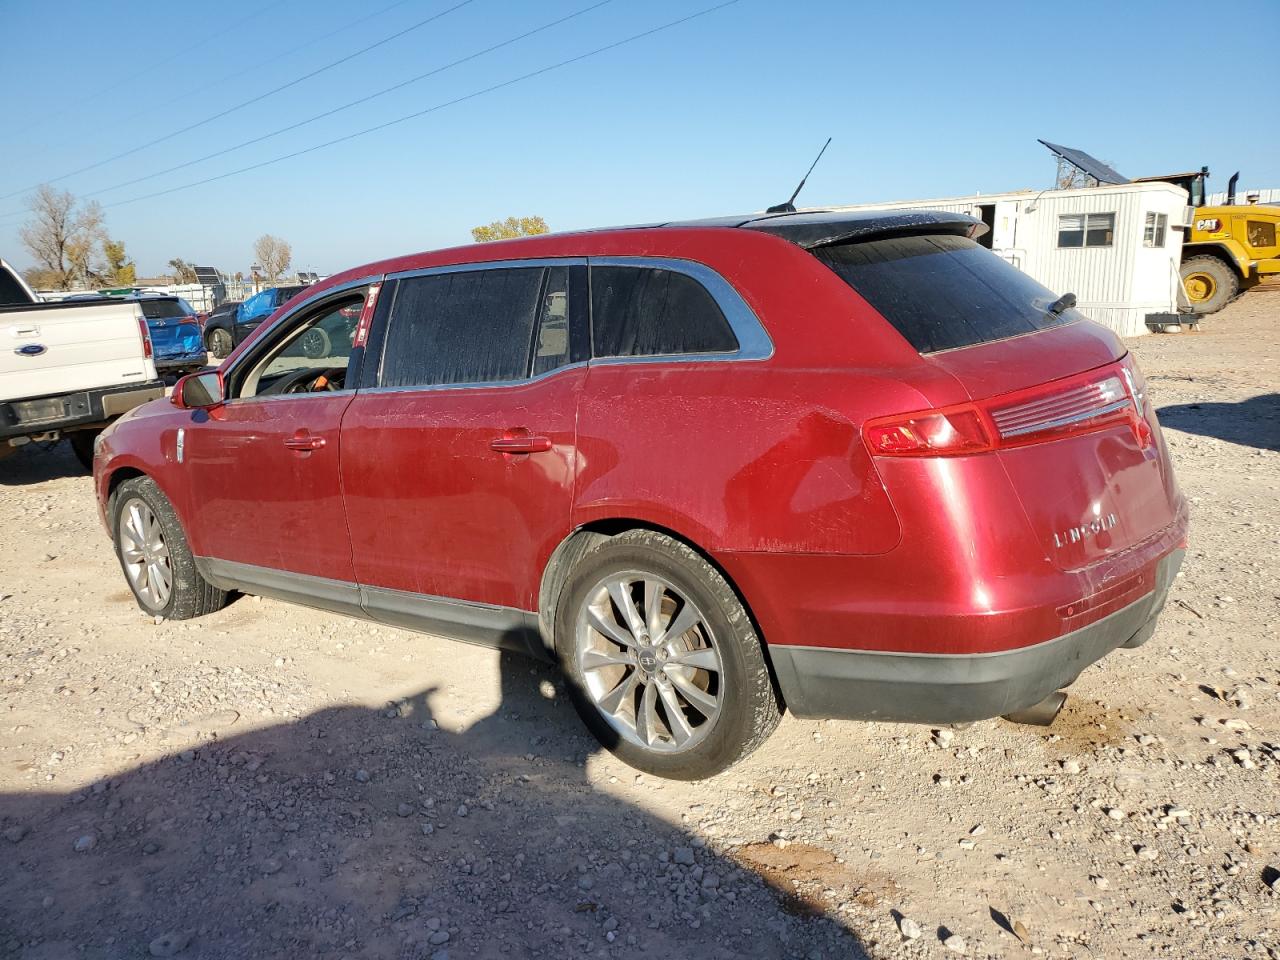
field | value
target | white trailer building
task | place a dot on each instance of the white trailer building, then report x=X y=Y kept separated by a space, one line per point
x=1116 y=247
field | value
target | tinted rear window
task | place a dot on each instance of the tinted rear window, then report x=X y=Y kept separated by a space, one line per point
x=161 y=309
x=943 y=292
x=11 y=291
x=647 y=312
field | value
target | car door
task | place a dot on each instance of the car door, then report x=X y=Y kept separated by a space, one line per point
x=459 y=449
x=265 y=486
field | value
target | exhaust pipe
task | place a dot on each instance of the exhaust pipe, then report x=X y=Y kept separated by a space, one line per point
x=1231 y=188
x=1039 y=714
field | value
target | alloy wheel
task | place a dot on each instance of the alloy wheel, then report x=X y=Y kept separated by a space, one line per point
x=145 y=554
x=649 y=662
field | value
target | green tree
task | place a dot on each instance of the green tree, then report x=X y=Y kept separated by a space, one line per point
x=121 y=271
x=183 y=272
x=509 y=229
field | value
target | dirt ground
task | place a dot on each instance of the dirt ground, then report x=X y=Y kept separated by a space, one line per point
x=278 y=782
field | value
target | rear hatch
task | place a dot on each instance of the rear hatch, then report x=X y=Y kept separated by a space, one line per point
x=1052 y=395
x=174 y=333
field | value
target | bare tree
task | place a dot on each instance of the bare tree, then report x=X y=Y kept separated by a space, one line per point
x=274 y=254
x=183 y=272
x=64 y=237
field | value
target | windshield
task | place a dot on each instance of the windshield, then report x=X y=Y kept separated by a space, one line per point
x=943 y=292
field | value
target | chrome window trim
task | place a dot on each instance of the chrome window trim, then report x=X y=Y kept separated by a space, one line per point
x=534 y=263
x=753 y=340
x=290 y=313
x=469 y=385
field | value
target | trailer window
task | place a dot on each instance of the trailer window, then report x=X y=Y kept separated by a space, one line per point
x=1086 y=229
x=1154 y=230
x=944 y=292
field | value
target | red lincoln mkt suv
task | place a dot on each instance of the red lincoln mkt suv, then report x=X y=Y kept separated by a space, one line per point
x=847 y=464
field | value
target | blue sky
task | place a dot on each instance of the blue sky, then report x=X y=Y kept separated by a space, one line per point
x=721 y=114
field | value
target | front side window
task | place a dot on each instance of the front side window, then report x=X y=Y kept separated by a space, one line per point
x=1153 y=230
x=311 y=354
x=1086 y=229
x=651 y=312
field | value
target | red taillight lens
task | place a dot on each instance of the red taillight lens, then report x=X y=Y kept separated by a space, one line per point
x=938 y=433
x=146 y=338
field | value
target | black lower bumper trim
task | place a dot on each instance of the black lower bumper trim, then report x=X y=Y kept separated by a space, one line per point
x=954 y=688
x=68 y=411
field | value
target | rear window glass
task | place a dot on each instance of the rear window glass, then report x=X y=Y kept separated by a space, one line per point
x=11 y=291
x=647 y=312
x=161 y=309
x=943 y=292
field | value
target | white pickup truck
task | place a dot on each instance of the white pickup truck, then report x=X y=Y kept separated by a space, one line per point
x=68 y=369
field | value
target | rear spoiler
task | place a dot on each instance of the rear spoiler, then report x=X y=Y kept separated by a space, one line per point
x=829 y=227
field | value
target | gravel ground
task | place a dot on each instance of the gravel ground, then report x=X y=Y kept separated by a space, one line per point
x=273 y=781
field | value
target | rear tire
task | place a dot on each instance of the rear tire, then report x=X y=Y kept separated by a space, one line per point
x=155 y=557
x=82 y=446
x=219 y=342
x=1210 y=284
x=707 y=692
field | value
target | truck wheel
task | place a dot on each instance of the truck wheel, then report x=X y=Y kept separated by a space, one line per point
x=1210 y=283
x=155 y=557
x=219 y=342
x=663 y=663
x=82 y=446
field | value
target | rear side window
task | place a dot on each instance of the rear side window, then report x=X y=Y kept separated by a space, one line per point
x=11 y=291
x=647 y=312
x=466 y=327
x=943 y=292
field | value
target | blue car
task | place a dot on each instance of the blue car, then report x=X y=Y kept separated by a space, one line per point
x=177 y=343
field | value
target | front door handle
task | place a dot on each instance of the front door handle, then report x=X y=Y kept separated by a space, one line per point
x=304 y=442
x=520 y=440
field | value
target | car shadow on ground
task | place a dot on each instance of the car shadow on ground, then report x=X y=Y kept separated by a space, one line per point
x=37 y=462
x=1254 y=422
x=358 y=832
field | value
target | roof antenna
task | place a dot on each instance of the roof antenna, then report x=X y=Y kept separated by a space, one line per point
x=790 y=206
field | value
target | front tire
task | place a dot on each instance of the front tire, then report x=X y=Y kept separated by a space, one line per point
x=82 y=446
x=1210 y=284
x=663 y=662
x=155 y=557
x=219 y=342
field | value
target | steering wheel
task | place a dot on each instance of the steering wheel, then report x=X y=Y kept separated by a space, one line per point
x=310 y=380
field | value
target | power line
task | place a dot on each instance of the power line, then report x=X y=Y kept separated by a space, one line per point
x=155 y=65
x=235 y=74
x=251 y=100
x=354 y=103
x=432 y=109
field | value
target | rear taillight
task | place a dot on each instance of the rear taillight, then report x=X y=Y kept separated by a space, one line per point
x=1076 y=406
x=146 y=337
x=934 y=433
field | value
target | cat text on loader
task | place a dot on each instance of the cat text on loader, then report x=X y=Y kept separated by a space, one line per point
x=1226 y=248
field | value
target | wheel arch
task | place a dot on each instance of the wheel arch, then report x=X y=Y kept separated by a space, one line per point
x=584 y=538
x=1219 y=251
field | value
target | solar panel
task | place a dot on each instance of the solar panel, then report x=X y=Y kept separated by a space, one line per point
x=208 y=276
x=1088 y=165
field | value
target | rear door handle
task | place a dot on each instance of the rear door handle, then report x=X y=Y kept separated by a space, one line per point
x=520 y=442
x=304 y=442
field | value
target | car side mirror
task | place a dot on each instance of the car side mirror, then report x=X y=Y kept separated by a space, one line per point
x=199 y=391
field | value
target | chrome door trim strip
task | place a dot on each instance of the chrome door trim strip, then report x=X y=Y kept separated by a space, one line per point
x=472 y=267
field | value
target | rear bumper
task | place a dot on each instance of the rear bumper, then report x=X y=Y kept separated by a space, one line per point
x=182 y=361
x=69 y=411
x=953 y=688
